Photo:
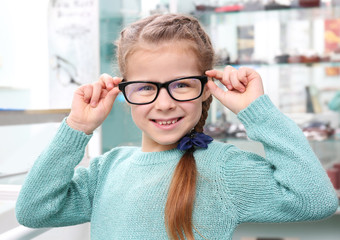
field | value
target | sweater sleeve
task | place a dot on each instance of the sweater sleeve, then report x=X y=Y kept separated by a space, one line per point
x=54 y=194
x=289 y=184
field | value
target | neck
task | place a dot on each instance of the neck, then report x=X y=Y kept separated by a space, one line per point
x=149 y=145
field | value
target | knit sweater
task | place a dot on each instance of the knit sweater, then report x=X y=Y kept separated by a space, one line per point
x=123 y=192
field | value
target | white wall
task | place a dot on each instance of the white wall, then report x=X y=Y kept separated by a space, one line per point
x=24 y=52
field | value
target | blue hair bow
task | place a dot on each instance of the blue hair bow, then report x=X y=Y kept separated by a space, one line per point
x=194 y=139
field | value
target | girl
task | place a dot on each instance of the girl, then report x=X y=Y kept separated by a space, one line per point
x=179 y=184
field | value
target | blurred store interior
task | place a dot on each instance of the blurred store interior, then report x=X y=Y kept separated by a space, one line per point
x=50 y=47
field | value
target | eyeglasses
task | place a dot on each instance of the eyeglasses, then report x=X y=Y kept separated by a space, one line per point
x=180 y=89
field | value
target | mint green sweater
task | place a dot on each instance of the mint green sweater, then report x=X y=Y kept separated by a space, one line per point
x=124 y=191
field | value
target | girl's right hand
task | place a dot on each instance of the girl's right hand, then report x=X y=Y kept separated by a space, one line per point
x=92 y=103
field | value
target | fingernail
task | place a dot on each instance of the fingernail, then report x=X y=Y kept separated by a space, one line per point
x=229 y=87
x=93 y=104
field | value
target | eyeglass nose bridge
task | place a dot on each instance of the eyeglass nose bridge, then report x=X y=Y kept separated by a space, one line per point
x=163 y=85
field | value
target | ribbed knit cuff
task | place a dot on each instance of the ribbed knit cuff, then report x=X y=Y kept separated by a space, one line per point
x=70 y=137
x=257 y=112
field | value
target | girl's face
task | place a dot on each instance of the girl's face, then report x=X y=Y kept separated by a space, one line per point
x=166 y=120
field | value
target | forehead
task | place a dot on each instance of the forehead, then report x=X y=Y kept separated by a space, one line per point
x=183 y=47
x=168 y=60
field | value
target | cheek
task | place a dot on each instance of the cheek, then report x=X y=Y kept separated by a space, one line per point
x=196 y=112
x=138 y=114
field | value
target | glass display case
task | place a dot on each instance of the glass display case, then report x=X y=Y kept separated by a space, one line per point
x=295 y=46
x=296 y=49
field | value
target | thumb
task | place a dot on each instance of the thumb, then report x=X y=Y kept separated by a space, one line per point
x=216 y=91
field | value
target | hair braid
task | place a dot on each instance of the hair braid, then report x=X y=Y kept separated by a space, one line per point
x=205 y=108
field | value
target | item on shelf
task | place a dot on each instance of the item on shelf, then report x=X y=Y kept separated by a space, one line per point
x=337 y=166
x=332 y=71
x=273 y=5
x=318 y=130
x=160 y=9
x=229 y=8
x=309 y=101
x=283 y=58
x=313 y=58
x=310 y=59
x=295 y=59
x=309 y=3
x=204 y=7
x=245 y=43
x=236 y=130
x=215 y=130
x=248 y=62
x=222 y=57
x=335 y=55
x=331 y=35
x=253 y=6
x=334 y=176
x=325 y=59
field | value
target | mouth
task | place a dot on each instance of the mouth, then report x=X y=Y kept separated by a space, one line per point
x=167 y=122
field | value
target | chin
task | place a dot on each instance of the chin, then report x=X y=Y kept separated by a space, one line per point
x=168 y=143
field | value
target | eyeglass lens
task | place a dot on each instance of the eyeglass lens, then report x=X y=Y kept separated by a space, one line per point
x=182 y=90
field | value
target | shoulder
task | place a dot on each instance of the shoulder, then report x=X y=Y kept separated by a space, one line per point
x=222 y=152
x=227 y=159
x=217 y=154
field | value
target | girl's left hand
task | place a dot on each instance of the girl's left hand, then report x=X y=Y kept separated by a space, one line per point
x=244 y=86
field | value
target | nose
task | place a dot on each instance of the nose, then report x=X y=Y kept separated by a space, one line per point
x=164 y=101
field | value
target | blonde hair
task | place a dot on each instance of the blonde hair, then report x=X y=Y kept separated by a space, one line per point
x=156 y=30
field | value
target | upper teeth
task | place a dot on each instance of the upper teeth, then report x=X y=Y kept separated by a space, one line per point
x=167 y=122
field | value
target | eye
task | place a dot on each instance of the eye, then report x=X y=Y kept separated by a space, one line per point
x=143 y=89
x=146 y=88
x=181 y=85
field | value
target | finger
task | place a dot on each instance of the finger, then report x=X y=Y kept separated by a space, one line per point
x=222 y=76
x=103 y=94
x=106 y=81
x=86 y=92
x=235 y=81
x=116 y=81
x=214 y=74
x=216 y=91
x=111 y=97
x=96 y=93
x=242 y=76
x=227 y=77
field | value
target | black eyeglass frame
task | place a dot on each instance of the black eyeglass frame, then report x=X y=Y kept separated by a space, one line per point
x=124 y=83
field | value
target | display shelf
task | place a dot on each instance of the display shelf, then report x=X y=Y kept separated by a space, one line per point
x=16 y=178
x=20 y=116
x=293 y=49
x=297 y=12
x=273 y=64
x=235 y=139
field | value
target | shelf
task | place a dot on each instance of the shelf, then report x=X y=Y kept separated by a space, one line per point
x=264 y=64
x=18 y=117
x=302 y=12
x=234 y=139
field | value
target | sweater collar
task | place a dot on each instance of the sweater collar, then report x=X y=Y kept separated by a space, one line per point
x=150 y=158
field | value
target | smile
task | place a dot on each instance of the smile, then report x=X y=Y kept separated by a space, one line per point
x=167 y=122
